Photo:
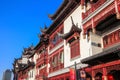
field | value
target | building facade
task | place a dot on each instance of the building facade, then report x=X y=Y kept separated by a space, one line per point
x=81 y=43
x=101 y=25
x=24 y=67
x=7 y=75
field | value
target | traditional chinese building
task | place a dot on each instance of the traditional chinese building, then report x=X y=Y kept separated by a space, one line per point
x=42 y=56
x=84 y=36
x=65 y=41
x=101 y=27
x=24 y=67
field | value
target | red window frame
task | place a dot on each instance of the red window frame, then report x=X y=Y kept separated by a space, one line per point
x=75 y=48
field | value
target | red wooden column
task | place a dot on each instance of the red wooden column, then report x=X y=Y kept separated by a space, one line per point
x=93 y=25
x=93 y=74
x=92 y=20
x=104 y=73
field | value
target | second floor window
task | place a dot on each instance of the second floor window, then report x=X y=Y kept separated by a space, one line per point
x=75 y=48
x=61 y=59
x=54 y=62
x=55 y=39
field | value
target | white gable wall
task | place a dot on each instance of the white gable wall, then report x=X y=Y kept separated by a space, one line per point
x=85 y=49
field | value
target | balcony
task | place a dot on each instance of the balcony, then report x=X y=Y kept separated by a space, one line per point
x=43 y=59
x=93 y=8
x=95 y=15
x=58 y=67
x=58 y=46
x=55 y=44
x=42 y=73
x=111 y=39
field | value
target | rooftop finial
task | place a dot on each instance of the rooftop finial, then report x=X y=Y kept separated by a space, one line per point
x=50 y=16
x=45 y=26
x=32 y=46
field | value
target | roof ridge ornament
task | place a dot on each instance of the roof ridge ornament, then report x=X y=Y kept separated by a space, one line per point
x=43 y=30
x=45 y=26
x=50 y=16
x=74 y=28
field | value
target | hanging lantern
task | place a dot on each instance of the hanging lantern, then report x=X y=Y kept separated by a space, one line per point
x=119 y=8
x=110 y=77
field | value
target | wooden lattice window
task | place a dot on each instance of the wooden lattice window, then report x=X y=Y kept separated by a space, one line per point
x=54 y=62
x=75 y=48
x=61 y=58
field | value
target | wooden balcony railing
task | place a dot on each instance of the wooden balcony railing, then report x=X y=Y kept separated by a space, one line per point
x=43 y=58
x=94 y=6
x=53 y=45
x=42 y=72
x=55 y=68
x=111 y=39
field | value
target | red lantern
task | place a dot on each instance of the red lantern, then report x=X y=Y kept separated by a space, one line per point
x=119 y=8
x=110 y=77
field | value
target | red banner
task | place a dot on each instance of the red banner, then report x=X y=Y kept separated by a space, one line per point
x=72 y=74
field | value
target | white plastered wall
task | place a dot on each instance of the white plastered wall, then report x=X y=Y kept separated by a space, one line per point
x=85 y=50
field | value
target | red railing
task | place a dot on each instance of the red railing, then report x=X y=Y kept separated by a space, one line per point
x=55 y=68
x=111 y=39
x=94 y=6
x=42 y=60
x=42 y=72
x=53 y=45
x=42 y=57
x=88 y=12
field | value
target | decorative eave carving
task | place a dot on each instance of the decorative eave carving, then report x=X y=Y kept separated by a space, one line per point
x=44 y=38
x=16 y=65
x=29 y=51
x=22 y=67
x=75 y=31
x=44 y=30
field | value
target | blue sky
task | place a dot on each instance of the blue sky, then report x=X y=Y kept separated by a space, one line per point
x=20 y=22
